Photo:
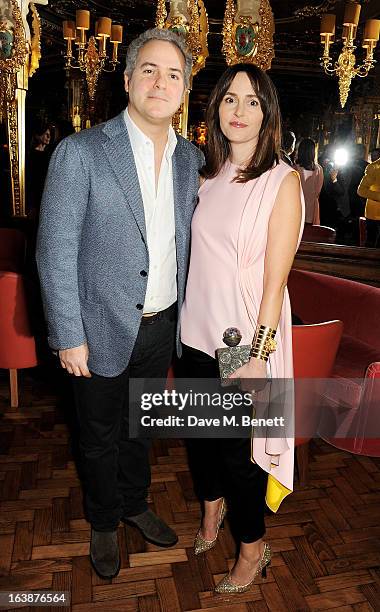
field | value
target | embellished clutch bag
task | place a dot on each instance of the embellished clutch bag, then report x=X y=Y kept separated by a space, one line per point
x=232 y=357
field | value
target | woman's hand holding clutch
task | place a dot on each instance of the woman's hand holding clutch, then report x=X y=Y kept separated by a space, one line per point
x=253 y=375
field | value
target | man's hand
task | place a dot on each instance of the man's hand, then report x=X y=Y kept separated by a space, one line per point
x=74 y=360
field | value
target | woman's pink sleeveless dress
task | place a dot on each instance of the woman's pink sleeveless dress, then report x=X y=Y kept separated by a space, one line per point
x=225 y=283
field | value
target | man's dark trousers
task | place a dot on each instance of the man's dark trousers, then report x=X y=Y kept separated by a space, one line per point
x=116 y=469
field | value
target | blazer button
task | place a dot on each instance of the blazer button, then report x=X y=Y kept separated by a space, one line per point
x=143 y=273
x=139 y=306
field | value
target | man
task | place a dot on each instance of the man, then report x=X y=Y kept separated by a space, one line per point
x=112 y=257
x=288 y=146
x=356 y=173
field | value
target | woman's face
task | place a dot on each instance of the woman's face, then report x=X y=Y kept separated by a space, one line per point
x=45 y=137
x=240 y=113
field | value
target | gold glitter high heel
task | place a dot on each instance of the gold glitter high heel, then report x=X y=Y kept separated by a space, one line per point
x=227 y=586
x=201 y=545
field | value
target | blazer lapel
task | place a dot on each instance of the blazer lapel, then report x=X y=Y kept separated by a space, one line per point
x=119 y=153
x=180 y=192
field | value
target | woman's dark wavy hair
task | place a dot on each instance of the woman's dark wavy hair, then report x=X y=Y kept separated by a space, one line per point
x=38 y=132
x=306 y=154
x=267 y=151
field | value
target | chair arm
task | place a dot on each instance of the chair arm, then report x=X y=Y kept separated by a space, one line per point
x=373 y=370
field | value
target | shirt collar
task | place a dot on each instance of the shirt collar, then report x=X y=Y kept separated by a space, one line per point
x=139 y=140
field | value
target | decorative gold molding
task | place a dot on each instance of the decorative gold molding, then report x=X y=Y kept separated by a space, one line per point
x=261 y=50
x=36 y=41
x=195 y=30
x=12 y=70
x=161 y=14
x=199 y=62
x=19 y=45
x=16 y=179
x=194 y=26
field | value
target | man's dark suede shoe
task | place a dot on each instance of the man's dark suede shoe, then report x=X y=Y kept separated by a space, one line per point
x=153 y=528
x=104 y=553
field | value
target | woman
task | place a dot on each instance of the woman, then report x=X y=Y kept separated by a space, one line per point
x=245 y=232
x=370 y=188
x=37 y=166
x=311 y=175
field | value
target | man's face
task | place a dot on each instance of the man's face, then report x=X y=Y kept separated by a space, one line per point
x=156 y=86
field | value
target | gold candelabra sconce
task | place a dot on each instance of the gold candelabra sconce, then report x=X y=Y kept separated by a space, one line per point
x=345 y=67
x=91 y=56
x=187 y=18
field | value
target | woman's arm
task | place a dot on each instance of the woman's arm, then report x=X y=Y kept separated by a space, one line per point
x=318 y=187
x=319 y=179
x=370 y=183
x=283 y=233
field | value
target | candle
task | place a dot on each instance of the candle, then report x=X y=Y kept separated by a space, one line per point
x=83 y=20
x=104 y=26
x=328 y=24
x=69 y=30
x=372 y=29
x=345 y=32
x=117 y=33
x=351 y=14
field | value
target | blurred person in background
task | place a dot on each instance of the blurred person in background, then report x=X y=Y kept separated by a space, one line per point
x=374 y=155
x=370 y=188
x=356 y=172
x=333 y=200
x=311 y=175
x=36 y=168
x=288 y=146
x=37 y=163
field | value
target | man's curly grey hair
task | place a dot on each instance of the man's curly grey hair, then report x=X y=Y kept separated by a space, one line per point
x=158 y=34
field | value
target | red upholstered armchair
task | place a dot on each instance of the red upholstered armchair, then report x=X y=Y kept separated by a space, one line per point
x=362 y=231
x=12 y=249
x=318 y=233
x=314 y=351
x=355 y=392
x=17 y=345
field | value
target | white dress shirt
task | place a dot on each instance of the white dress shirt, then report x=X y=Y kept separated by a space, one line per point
x=159 y=216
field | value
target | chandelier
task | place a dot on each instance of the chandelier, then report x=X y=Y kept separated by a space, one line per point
x=345 y=67
x=91 y=55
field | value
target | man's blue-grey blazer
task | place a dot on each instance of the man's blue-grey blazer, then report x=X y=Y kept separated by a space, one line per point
x=92 y=245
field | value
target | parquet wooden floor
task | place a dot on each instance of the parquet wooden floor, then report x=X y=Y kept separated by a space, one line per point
x=325 y=538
